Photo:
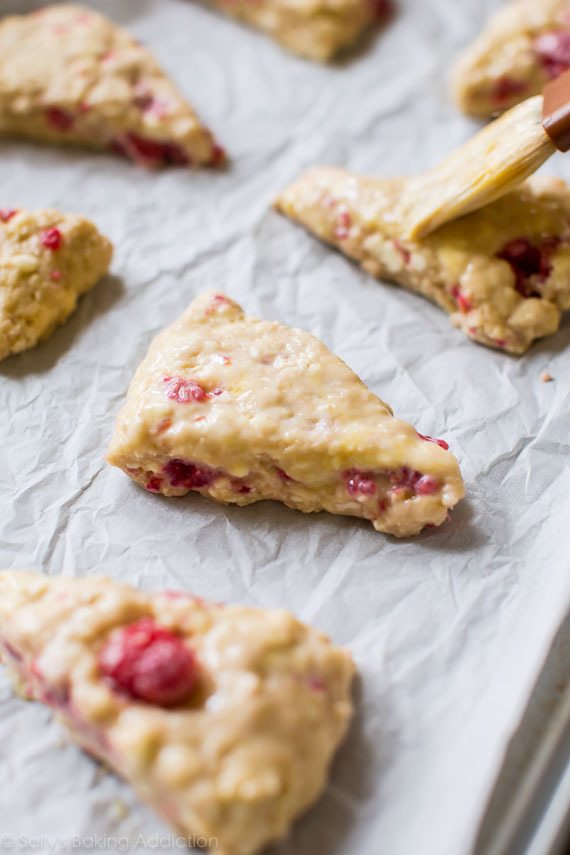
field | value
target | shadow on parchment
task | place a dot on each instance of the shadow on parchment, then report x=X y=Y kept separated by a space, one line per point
x=459 y=534
x=556 y=343
x=324 y=828
x=364 y=44
x=44 y=356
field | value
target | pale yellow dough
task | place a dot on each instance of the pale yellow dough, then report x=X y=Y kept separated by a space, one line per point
x=70 y=76
x=278 y=416
x=502 y=66
x=316 y=29
x=39 y=285
x=457 y=266
x=239 y=760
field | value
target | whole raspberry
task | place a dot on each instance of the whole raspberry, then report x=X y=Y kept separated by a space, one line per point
x=150 y=663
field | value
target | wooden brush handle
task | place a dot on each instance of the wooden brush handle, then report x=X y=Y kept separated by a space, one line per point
x=556 y=111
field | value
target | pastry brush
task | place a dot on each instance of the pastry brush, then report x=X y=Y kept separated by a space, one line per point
x=490 y=164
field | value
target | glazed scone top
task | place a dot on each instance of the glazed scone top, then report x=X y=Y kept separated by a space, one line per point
x=68 y=74
x=47 y=260
x=244 y=754
x=273 y=392
x=502 y=271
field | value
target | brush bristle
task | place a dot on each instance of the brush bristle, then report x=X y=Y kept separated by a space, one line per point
x=493 y=162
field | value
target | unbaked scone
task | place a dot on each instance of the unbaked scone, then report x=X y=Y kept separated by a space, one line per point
x=223 y=718
x=525 y=44
x=240 y=409
x=70 y=76
x=502 y=272
x=315 y=29
x=47 y=260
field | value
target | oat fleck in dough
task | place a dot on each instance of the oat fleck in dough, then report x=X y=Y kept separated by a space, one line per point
x=525 y=44
x=502 y=272
x=47 y=260
x=69 y=76
x=315 y=29
x=223 y=718
x=241 y=409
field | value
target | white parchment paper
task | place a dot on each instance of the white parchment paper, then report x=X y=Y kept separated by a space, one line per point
x=449 y=630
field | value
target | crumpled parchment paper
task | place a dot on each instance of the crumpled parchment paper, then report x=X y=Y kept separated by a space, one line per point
x=449 y=630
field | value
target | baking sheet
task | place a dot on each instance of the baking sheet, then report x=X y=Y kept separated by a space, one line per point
x=528 y=810
x=449 y=630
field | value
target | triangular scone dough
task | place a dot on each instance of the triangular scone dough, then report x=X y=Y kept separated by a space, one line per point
x=503 y=272
x=47 y=260
x=316 y=29
x=223 y=718
x=68 y=75
x=242 y=409
x=524 y=45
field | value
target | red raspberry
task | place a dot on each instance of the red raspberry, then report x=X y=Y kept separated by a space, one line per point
x=218 y=155
x=404 y=251
x=6 y=214
x=343 y=224
x=184 y=391
x=58 y=119
x=154 y=484
x=553 y=50
x=51 y=238
x=506 y=89
x=530 y=263
x=151 y=153
x=427 y=485
x=441 y=442
x=359 y=483
x=382 y=8
x=404 y=477
x=148 y=662
x=461 y=299
x=411 y=479
x=181 y=473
